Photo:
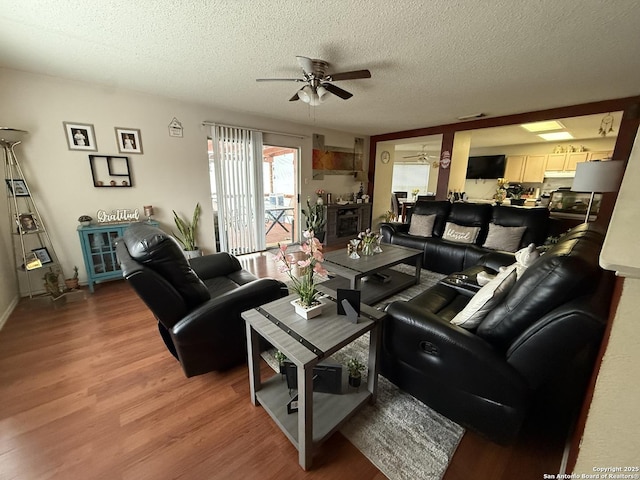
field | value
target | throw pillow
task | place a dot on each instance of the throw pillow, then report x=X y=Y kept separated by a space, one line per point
x=422 y=225
x=459 y=233
x=504 y=238
x=486 y=299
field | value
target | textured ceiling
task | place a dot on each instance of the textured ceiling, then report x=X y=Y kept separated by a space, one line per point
x=431 y=61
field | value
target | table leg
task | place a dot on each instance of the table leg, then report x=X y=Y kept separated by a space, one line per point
x=253 y=347
x=374 y=361
x=305 y=416
x=418 y=269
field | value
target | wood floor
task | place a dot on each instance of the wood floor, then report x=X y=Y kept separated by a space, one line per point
x=88 y=391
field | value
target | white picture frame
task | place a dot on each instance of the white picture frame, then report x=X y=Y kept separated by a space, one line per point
x=129 y=140
x=80 y=136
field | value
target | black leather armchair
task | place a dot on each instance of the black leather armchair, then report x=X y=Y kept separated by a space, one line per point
x=545 y=331
x=197 y=304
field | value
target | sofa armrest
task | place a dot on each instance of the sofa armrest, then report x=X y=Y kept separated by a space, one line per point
x=440 y=349
x=495 y=260
x=219 y=314
x=214 y=265
x=388 y=229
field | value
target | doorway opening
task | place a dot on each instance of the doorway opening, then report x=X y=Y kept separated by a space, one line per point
x=280 y=174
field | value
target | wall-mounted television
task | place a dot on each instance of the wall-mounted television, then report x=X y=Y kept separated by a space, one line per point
x=486 y=166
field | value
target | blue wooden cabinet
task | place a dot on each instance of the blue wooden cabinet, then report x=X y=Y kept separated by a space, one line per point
x=99 y=251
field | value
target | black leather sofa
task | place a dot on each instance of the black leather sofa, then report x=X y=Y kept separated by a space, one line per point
x=548 y=326
x=197 y=303
x=447 y=257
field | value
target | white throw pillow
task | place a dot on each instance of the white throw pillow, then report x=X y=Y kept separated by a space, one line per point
x=459 y=233
x=422 y=225
x=504 y=238
x=486 y=299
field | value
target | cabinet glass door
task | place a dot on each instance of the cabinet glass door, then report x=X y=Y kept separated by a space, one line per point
x=103 y=255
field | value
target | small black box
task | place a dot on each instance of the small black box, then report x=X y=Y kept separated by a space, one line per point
x=327 y=376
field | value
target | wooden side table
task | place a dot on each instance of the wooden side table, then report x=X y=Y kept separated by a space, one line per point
x=306 y=343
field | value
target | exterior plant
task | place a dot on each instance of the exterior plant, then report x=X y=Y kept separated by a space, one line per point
x=314 y=217
x=304 y=285
x=187 y=230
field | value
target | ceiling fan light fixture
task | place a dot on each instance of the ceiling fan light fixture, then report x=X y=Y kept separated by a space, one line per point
x=305 y=93
x=323 y=93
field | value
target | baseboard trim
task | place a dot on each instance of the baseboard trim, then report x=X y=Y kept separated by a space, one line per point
x=7 y=313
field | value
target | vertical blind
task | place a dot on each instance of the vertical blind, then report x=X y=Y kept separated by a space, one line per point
x=237 y=158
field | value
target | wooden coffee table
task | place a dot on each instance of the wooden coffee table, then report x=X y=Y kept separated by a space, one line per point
x=350 y=273
x=306 y=343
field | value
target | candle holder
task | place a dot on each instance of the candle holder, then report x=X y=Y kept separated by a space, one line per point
x=148 y=211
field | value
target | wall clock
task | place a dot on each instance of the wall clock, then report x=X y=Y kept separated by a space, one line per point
x=385 y=157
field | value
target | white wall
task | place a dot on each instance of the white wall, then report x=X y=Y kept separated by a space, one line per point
x=173 y=173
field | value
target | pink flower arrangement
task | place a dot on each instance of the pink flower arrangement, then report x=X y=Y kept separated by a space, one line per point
x=320 y=192
x=304 y=285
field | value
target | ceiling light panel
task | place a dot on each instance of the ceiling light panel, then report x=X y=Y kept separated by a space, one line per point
x=556 y=136
x=543 y=126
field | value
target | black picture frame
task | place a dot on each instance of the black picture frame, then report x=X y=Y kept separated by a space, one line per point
x=17 y=187
x=43 y=254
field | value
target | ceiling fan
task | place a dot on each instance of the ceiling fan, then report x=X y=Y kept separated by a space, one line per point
x=318 y=82
x=424 y=157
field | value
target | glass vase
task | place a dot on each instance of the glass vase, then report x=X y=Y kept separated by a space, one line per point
x=367 y=248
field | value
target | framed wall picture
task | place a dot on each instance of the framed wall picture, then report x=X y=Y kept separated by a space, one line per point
x=129 y=140
x=17 y=187
x=43 y=255
x=80 y=136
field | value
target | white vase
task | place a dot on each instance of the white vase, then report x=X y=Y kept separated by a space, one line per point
x=319 y=201
x=307 y=312
x=189 y=254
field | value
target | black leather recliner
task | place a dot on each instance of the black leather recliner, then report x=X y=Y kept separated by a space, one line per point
x=549 y=324
x=197 y=304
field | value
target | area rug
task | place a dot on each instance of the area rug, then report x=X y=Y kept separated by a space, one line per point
x=400 y=435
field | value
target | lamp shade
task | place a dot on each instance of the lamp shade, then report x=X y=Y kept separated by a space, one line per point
x=11 y=135
x=598 y=176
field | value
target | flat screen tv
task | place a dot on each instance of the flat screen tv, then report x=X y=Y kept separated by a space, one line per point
x=486 y=166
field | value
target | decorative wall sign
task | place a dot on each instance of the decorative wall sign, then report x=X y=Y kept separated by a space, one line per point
x=175 y=128
x=445 y=159
x=129 y=140
x=80 y=136
x=110 y=171
x=123 y=215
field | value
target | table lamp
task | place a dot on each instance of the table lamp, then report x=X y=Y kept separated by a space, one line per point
x=597 y=177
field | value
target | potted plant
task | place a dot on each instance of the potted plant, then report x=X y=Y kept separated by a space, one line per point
x=306 y=305
x=280 y=358
x=51 y=284
x=355 y=368
x=85 y=220
x=187 y=236
x=72 y=283
x=315 y=219
x=516 y=192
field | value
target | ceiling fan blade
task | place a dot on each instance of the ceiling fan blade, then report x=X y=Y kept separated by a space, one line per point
x=294 y=98
x=412 y=156
x=343 y=94
x=349 y=75
x=279 y=80
x=306 y=64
